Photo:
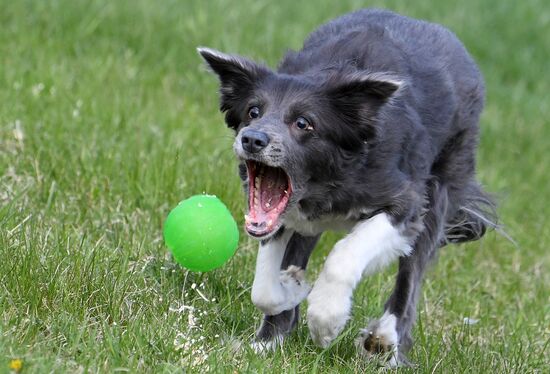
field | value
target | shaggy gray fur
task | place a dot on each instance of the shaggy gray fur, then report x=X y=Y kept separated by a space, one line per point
x=395 y=104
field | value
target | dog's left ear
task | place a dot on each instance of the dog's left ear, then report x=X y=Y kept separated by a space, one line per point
x=358 y=98
x=360 y=88
x=238 y=78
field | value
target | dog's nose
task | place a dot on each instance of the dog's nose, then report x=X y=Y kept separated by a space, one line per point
x=254 y=141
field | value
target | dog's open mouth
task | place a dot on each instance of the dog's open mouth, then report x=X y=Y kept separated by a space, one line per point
x=268 y=196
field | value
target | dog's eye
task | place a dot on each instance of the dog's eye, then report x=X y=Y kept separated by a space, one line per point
x=303 y=124
x=254 y=112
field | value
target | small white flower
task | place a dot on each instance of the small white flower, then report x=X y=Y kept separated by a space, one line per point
x=191 y=321
x=470 y=321
x=18 y=131
x=37 y=89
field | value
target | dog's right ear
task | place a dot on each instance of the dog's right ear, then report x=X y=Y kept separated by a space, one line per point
x=238 y=78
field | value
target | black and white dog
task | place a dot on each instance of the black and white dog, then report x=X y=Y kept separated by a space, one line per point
x=371 y=128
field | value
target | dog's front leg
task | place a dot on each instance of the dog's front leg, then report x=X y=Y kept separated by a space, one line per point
x=274 y=289
x=372 y=244
x=275 y=327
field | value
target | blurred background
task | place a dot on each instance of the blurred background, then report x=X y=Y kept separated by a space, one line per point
x=108 y=118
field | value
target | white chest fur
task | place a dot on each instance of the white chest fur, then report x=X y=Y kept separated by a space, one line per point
x=296 y=221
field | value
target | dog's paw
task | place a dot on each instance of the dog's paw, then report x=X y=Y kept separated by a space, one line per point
x=296 y=288
x=286 y=294
x=380 y=339
x=263 y=347
x=323 y=329
x=328 y=312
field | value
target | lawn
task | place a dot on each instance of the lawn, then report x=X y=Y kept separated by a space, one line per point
x=108 y=118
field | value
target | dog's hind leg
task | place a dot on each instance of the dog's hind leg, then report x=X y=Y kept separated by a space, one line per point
x=279 y=285
x=391 y=334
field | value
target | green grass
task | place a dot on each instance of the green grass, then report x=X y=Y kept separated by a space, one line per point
x=108 y=119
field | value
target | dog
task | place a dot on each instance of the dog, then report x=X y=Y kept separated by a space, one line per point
x=370 y=128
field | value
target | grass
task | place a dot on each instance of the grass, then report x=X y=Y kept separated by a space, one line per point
x=108 y=119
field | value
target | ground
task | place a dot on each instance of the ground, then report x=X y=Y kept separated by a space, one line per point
x=108 y=118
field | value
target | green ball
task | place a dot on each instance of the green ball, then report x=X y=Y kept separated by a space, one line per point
x=201 y=233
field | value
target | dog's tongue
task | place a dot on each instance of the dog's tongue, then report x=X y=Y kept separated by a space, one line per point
x=272 y=188
x=269 y=195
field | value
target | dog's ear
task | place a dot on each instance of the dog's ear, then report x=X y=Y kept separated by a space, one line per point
x=238 y=78
x=360 y=88
x=358 y=97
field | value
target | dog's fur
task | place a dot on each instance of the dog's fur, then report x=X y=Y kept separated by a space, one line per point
x=394 y=105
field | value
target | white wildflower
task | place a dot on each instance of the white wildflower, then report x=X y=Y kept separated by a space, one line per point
x=37 y=89
x=470 y=321
x=18 y=131
x=191 y=320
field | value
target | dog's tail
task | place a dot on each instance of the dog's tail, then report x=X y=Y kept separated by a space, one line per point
x=474 y=217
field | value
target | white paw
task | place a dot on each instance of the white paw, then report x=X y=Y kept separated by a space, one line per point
x=295 y=285
x=380 y=339
x=263 y=347
x=328 y=311
x=290 y=291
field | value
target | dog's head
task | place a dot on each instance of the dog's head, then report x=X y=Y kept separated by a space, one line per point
x=299 y=136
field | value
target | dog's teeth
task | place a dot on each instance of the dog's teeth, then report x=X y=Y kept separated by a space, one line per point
x=270 y=222
x=257 y=181
x=286 y=192
x=267 y=205
x=256 y=192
